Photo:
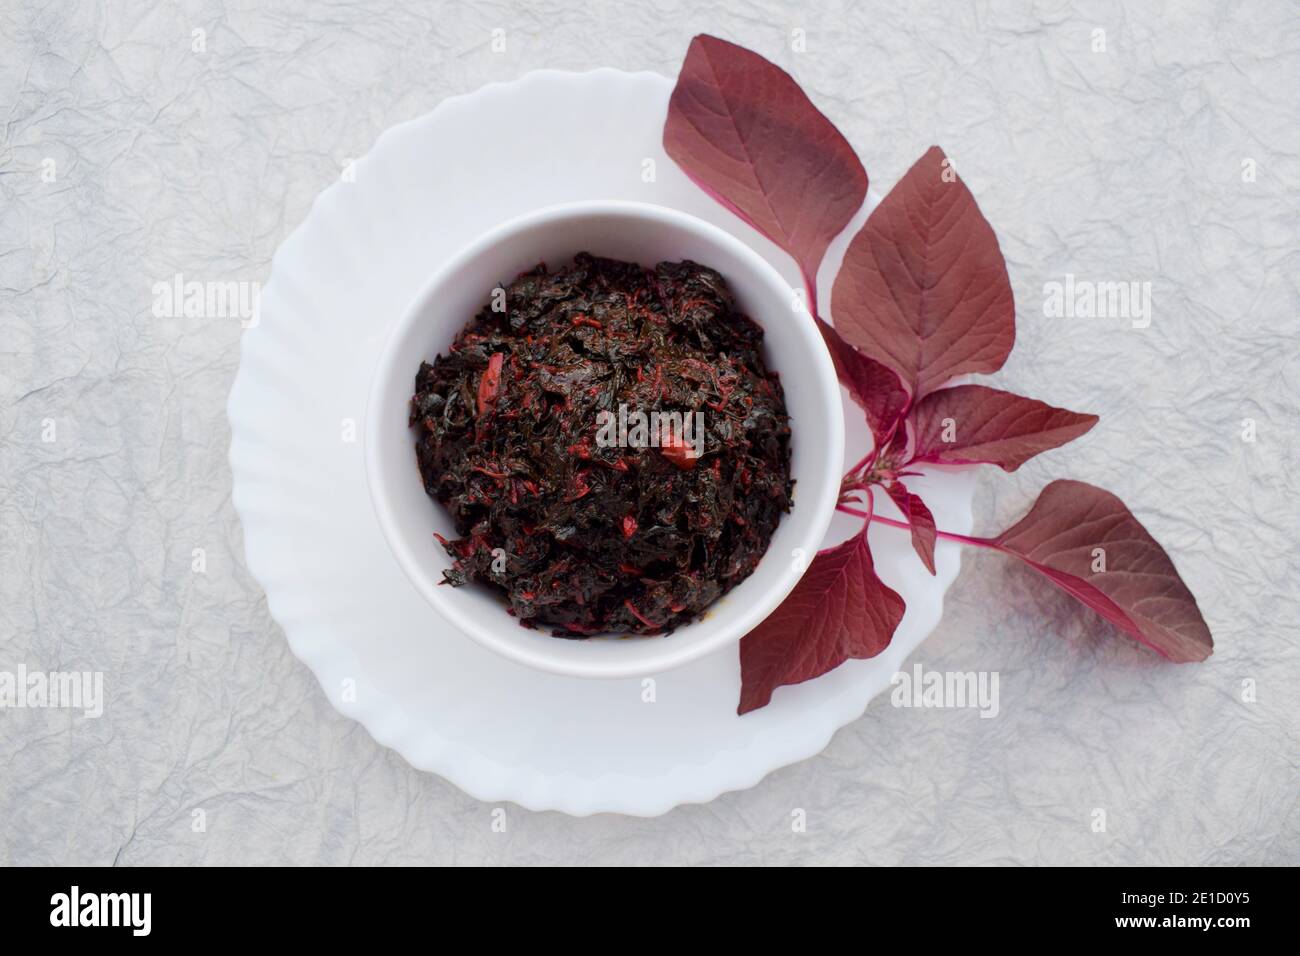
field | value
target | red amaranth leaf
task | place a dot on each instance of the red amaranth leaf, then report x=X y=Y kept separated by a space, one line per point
x=924 y=287
x=838 y=610
x=920 y=519
x=1073 y=530
x=875 y=387
x=742 y=128
x=973 y=423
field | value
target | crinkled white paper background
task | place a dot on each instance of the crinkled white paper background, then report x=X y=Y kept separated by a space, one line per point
x=1115 y=165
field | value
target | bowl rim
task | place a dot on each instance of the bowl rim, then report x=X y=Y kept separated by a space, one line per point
x=535 y=654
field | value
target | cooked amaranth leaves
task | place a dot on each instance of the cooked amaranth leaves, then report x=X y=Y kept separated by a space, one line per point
x=612 y=449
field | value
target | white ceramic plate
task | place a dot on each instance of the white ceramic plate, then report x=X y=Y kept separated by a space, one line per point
x=499 y=730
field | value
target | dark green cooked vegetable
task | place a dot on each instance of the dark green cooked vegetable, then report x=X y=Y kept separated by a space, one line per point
x=581 y=527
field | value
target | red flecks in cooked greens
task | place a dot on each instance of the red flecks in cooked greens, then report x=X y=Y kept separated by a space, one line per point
x=584 y=535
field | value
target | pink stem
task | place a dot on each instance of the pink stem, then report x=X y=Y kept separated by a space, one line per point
x=950 y=535
x=866 y=460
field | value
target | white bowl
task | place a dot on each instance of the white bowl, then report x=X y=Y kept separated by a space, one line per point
x=636 y=232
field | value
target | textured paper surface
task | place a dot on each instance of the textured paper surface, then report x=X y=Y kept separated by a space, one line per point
x=1172 y=156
